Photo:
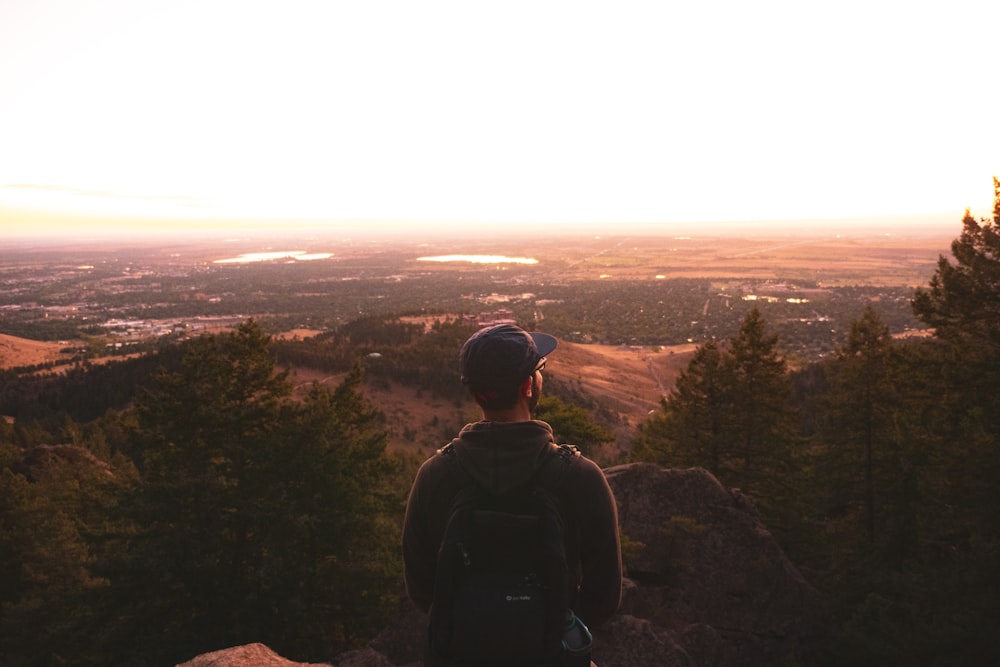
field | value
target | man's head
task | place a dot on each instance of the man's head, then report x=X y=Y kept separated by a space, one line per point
x=497 y=360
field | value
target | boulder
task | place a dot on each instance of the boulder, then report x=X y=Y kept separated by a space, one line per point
x=250 y=655
x=707 y=586
x=704 y=568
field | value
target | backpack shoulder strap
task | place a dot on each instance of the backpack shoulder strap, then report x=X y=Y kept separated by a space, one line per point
x=451 y=456
x=551 y=473
x=552 y=468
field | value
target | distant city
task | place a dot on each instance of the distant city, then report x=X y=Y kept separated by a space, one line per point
x=637 y=290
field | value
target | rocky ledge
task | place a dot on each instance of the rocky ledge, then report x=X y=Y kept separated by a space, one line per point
x=707 y=586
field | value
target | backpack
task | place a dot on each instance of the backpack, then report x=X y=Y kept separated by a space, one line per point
x=501 y=590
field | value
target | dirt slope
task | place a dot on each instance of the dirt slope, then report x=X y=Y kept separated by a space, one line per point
x=628 y=379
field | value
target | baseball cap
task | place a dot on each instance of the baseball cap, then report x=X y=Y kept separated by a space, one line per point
x=502 y=355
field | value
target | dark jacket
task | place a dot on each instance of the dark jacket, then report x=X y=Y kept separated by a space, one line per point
x=501 y=456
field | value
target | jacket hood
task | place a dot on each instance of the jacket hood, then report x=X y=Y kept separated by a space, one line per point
x=503 y=455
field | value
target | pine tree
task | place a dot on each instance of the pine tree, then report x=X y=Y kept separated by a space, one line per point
x=730 y=413
x=337 y=543
x=963 y=305
x=963 y=300
x=211 y=434
x=54 y=505
x=861 y=426
x=257 y=518
x=962 y=541
x=572 y=424
x=763 y=425
x=923 y=419
x=44 y=563
x=691 y=428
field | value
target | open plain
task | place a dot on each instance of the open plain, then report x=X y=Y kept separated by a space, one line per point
x=629 y=309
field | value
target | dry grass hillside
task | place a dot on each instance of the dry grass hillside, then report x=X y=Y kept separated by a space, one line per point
x=16 y=351
x=626 y=380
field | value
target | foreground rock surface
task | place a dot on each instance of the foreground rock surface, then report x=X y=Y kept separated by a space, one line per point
x=708 y=587
x=250 y=655
x=708 y=584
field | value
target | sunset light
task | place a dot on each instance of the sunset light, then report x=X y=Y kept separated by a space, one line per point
x=140 y=116
x=479 y=259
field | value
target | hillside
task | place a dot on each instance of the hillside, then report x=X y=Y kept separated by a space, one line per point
x=16 y=351
x=627 y=381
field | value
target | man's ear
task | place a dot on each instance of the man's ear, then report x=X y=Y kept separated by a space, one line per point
x=525 y=388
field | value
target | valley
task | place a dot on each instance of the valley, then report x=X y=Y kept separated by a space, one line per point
x=629 y=310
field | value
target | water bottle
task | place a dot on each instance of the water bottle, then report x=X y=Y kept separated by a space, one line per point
x=576 y=643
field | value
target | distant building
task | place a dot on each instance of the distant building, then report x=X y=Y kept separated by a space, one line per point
x=493 y=318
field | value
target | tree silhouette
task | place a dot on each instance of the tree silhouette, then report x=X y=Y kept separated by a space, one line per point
x=860 y=415
x=763 y=422
x=692 y=427
x=730 y=413
x=572 y=424
x=962 y=302
x=258 y=518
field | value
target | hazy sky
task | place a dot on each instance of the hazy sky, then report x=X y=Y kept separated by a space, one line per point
x=468 y=111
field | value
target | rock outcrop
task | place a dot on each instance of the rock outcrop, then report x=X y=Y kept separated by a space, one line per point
x=707 y=586
x=250 y=655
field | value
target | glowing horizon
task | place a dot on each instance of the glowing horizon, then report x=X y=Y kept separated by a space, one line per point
x=379 y=117
x=273 y=255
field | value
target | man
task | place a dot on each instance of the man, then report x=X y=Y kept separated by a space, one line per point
x=502 y=368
